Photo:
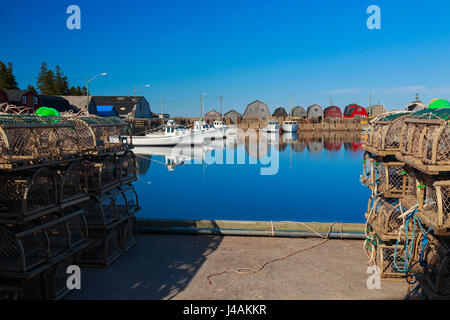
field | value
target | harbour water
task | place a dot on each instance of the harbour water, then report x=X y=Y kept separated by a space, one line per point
x=306 y=177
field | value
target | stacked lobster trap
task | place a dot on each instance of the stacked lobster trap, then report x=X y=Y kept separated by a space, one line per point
x=52 y=172
x=407 y=167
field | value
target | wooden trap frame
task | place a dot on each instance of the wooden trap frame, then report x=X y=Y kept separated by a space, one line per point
x=425 y=141
x=384 y=133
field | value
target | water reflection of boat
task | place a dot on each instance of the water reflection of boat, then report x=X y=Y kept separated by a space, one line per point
x=143 y=164
x=174 y=156
x=271 y=137
x=289 y=137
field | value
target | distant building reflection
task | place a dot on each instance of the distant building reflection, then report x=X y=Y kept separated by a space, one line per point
x=256 y=145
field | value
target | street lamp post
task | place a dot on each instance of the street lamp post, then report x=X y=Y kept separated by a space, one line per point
x=201 y=104
x=144 y=86
x=87 y=86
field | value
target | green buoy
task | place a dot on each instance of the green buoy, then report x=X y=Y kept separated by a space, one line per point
x=438 y=104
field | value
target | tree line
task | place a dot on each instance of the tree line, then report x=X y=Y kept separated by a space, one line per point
x=49 y=82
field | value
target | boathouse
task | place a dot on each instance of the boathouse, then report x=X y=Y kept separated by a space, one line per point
x=23 y=98
x=234 y=116
x=315 y=112
x=257 y=109
x=211 y=115
x=280 y=112
x=125 y=106
x=299 y=112
x=332 y=112
x=376 y=110
x=355 y=111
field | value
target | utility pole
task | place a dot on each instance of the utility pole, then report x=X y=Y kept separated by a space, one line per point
x=221 y=98
x=370 y=99
x=162 y=107
x=290 y=103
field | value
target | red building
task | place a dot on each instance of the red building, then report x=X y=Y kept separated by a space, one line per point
x=355 y=111
x=22 y=98
x=3 y=97
x=332 y=112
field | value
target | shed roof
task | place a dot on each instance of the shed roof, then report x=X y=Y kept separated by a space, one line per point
x=122 y=104
x=15 y=95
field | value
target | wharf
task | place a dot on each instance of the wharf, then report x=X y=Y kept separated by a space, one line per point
x=168 y=266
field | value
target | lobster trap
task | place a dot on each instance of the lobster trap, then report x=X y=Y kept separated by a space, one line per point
x=112 y=208
x=392 y=179
x=26 y=140
x=55 y=279
x=128 y=167
x=105 y=248
x=368 y=177
x=391 y=261
x=102 y=174
x=27 y=248
x=72 y=185
x=102 y=134
x=425 y=141
x=384 y=134
x=434 y=203
x=433 y=267
x=128 y=229
x=27 y=195
x=385 y=219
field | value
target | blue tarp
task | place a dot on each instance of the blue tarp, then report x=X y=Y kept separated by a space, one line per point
x=106 y=111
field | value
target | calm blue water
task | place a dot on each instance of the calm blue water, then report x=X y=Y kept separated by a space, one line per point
x=317 y=179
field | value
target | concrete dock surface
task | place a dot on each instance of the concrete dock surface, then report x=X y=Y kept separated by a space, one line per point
x=176 y=267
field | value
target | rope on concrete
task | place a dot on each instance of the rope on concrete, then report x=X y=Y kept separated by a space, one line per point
x=248 y=270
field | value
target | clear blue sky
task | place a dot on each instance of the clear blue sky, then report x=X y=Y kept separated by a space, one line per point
x=241 y=50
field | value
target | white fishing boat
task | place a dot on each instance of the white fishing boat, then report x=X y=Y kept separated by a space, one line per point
x=170 y=136
x=210 y=132
x=227 y=129
x=290 y=126
x=272 y=126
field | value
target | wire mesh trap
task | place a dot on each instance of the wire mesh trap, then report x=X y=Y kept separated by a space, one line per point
x=104 y=248
x=102 y=134
x=102 y=174
x=385 y=218
x=56 y=278
x=128 y=229
x=392 y=179
x=433 y=267
x=384 y=134
x=391 y=261
x=26 y=138
x=128 y=167
x=434 y=199
x=27 y=195
x=72 y=185
x=112 y=208
x=425 y=141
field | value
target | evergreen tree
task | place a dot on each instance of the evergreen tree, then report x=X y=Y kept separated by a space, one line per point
x=61 y=83
x=46 y=80
x=32 y=88
x=7 y=79
x=12 y=83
